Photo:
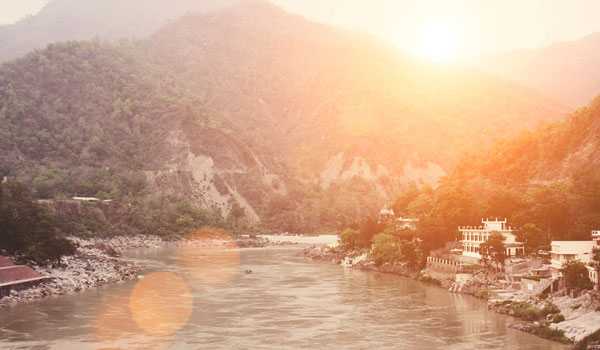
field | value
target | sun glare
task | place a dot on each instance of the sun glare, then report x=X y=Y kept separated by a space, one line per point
x=438 y=41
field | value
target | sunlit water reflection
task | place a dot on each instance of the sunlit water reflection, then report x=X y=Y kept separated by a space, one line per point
x=286 y=303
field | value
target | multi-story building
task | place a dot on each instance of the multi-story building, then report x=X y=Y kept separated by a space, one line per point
x=596 y=236
x=563 y=251
x=474 y=236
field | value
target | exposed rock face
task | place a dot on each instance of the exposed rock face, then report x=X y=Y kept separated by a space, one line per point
x=198 y=177
x=341 y=168
x=430 y=174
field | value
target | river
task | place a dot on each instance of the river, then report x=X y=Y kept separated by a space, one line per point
x=202 y=298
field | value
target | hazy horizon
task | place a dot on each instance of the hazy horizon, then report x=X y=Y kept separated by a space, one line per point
x=438 y=30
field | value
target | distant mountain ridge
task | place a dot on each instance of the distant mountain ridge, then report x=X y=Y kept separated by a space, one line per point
x=567 y=70
x=302 y=125
x=63 y=20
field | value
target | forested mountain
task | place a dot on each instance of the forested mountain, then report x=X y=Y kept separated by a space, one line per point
x=301 y=125
x=546 y=182
x=62 y=20
x=567 y=71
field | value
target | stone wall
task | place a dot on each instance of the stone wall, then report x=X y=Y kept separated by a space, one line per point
x=441 y=269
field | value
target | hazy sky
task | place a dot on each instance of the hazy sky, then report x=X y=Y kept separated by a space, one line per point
x=13 y=10
x=456 y=28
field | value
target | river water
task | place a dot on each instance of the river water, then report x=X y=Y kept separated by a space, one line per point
x=202 y=298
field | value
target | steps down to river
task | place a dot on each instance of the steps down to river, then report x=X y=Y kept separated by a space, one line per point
x=16 y=276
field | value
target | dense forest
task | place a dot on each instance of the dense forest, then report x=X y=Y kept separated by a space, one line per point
x=546 y=182
x=259 y=119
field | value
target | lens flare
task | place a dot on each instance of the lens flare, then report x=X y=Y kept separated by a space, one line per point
x=161 y=303
x=113 y=321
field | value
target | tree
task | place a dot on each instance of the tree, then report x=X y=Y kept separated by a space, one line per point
x=576 y=275
x=493 y=250
x=350 y=239
x=410 y=253
x=433 y=234
x=550 y=208
x=26 y=229
x=368 y=230
x=235 y=215
x=385 y=249
x=533 y=238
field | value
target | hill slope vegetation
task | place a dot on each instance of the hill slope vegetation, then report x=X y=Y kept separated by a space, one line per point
x=250 y=113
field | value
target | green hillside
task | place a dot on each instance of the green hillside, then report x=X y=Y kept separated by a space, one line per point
x=303 y=126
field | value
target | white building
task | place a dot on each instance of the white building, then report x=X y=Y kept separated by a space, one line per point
x=385 y=214
x=405 y=223
x=474 y=236
x=592 y=274
x=596 y=236
x=563 y=251
x=86 y=199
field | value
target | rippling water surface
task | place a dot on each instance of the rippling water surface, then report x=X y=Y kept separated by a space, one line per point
x=203 y=299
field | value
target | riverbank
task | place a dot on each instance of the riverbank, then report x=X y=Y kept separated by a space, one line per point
x=558 y=317
x=572 y=319
x=97 y=261
x=356 y=260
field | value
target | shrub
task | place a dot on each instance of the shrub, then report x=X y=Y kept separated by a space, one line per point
x=385 y=249
x=556 y=335
x=428 y=279
x=550 y=308
x=526 y=311
x=349 y=239
x=576 y=275
x=482 y=293
x=558 y=318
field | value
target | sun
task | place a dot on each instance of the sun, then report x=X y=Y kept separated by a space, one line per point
x=438 y=41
